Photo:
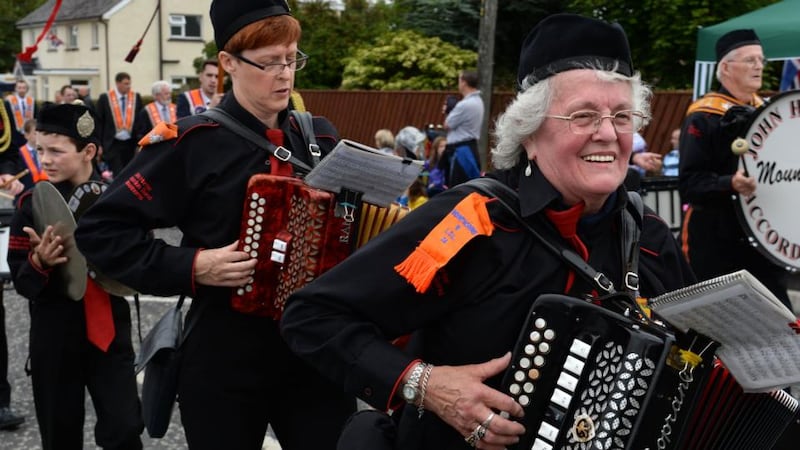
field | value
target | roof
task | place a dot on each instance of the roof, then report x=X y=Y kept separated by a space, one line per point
x=70 y=10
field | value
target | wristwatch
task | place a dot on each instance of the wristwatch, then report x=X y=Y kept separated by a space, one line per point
x=410 y=391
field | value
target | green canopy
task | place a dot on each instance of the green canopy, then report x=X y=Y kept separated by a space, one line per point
x=777 y=25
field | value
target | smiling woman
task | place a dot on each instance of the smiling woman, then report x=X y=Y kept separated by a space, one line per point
x=461 y=276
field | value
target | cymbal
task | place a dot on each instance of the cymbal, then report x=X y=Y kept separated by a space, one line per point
x=82 y=197
x=49 y=208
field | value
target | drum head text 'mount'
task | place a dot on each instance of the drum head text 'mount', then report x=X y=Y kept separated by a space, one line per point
x=771 y=216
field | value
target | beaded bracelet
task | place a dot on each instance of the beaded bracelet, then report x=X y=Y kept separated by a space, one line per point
x=422 y=388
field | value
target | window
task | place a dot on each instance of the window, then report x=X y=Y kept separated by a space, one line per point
x=183 y=83
x=72 y=42
x=184 y=27
x=95 y=36
x=53 y=41
x=31 y=36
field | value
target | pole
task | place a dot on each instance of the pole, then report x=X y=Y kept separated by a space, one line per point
x=485 y=71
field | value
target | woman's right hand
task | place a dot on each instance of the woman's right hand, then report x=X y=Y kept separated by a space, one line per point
x=458 y=395
x=224 y=266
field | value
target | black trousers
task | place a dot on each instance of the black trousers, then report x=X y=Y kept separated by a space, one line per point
x=119 y=154
x=238 y=376
x=64 y=364
x=5 y=387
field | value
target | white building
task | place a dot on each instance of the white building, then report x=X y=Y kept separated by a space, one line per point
x=90 y=39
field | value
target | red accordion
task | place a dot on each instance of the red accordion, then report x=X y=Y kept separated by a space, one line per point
x=296 y=234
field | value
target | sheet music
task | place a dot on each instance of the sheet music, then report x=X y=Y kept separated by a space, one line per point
x=757 y=344
x=381 y=178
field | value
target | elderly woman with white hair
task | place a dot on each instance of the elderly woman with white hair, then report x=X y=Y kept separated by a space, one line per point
x=460 y=274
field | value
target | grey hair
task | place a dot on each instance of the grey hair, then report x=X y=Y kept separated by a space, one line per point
x=160 y=84
x=730 y=56
x=526 y=113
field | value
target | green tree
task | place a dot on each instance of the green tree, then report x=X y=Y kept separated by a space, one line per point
x=10 y=36
x=663 y=33
x=330 y=37
x=406 y=60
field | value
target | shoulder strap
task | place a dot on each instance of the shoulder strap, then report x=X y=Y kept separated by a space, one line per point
x=508 y=198
x=306 y=123
x=223 y=118
x=631 y=232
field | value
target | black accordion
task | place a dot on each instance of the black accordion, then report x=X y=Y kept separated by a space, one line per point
x=591 y=378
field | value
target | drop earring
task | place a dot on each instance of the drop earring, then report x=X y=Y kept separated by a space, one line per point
x=528 y=170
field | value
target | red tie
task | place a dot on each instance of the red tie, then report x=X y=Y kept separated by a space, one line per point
x=567 y=223
x=99 y=321
x=278 y=167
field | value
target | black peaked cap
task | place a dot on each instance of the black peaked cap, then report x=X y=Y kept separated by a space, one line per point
x=562 y=42
x=230 y=16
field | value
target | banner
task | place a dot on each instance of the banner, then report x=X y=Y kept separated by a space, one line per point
x=791 y=75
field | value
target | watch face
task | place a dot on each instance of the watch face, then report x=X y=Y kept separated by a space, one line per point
x=409 y=393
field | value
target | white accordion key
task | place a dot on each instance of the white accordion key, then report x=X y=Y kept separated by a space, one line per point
x=278 y=257
x=574 y=365
x=279 y=245
x=548 y=432
x=539 y=444
x=580 y=348
x=539 y=323
x=561 y=398
x=567 y=381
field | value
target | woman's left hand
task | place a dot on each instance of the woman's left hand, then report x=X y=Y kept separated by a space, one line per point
x=458 y=395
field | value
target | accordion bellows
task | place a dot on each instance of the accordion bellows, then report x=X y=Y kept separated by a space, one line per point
x=296 y=234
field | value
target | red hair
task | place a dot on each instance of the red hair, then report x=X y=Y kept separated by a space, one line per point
x=273 y=30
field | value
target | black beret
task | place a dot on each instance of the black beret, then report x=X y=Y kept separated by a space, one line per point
x=734 y=39
x=72 y=120
x=230 y=16
x=562 y=42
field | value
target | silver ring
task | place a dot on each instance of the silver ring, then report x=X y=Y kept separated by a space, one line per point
x=476 y=435
x=488 y=421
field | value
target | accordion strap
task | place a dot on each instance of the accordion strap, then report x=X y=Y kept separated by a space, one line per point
x=306 y=124
x=225 y=119
x=507 y=197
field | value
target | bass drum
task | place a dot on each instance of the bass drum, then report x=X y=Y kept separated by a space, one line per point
x=771 y=217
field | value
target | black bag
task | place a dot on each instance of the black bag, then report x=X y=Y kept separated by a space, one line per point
x=160 y=360
x=160 y=357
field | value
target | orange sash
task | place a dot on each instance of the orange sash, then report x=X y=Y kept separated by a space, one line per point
x=195 y=100
x=716 y=103
x=155 y=114
x=117 y=112
x=36 y=172
x=19 y=118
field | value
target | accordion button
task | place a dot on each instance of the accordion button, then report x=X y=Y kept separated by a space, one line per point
x=248 y=239
x=248 y=288
x=549 y=335
x=514 y=389
x=262 y=201
x=535 y=336
x=519 y=375
x=255 y=245
x=253 y=205
x=538 y=361
x=528 y=388
x=249 y=229
x=256 y=236
x=260 y=210
x=544 y=347
x=250 y=223
x=254 y=196
x=524 y=400
x=251 y=213
x=530 y=349
x=539 y=323
x=533 y=374
x=246 y=248
x=525 y=363
x=259 y=219
x=240 y=291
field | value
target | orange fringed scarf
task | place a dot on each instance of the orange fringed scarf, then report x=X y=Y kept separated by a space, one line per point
x=468 y=219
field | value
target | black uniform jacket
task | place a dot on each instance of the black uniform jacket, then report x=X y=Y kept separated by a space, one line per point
x=343 y=322
x=707 y=166
x=196 y=182
x=105 y=115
